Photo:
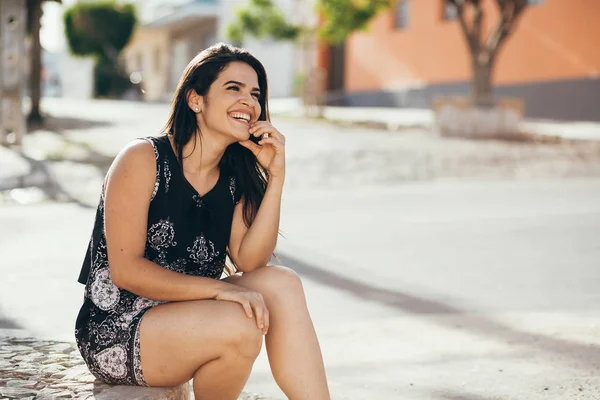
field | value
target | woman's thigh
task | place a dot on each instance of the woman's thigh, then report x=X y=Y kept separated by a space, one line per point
x=177 y=338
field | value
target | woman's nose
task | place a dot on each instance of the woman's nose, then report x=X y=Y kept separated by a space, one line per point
x=246 y=101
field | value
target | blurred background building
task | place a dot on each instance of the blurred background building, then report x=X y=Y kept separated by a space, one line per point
x=413 y=53
x=171 y=32
x=416 y=51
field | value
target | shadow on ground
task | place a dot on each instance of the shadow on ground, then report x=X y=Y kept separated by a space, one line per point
x=464 y=396
x=62 y=124
x=575 y=354
x=40 y=176
x=40 y=173
x=7 y=322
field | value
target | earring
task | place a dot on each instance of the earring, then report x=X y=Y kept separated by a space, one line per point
x=196 y=109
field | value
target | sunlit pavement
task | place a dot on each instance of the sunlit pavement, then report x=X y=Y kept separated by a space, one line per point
x=472 y=290
x=449 y=289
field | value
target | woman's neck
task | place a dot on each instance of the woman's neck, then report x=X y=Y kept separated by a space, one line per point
x=202 y=156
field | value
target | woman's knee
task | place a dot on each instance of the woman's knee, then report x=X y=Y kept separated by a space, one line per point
x=240 y=333
x=278 y=281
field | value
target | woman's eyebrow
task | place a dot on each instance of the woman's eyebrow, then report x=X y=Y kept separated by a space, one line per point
x=241 y=84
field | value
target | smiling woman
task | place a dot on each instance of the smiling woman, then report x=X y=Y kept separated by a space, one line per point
x=157 y=310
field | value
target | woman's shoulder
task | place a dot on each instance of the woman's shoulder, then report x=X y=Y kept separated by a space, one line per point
x=135 y=168
x=138 y=157
x=140 y=150
x=147 y=148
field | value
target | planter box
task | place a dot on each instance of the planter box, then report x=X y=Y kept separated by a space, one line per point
x=458 y=117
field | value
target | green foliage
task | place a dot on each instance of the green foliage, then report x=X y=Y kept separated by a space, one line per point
x=101 y=29
x=109 y=80
x=342 y=17
x=262 y=19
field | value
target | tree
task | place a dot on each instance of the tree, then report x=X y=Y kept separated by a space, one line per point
x=343 y=17
x=34 y=14
x=484 y=50
x=101 y=29
x=261 y=18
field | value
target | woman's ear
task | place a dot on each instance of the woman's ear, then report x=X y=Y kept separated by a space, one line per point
x=194 y=101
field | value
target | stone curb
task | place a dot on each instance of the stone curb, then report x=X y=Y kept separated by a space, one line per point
x=33 y=369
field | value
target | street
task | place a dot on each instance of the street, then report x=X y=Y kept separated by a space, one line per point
x=430 y=274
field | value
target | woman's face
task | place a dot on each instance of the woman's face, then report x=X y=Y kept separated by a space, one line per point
x=231 y=104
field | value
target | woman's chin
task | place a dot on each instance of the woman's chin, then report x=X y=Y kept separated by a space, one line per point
x=236 y=137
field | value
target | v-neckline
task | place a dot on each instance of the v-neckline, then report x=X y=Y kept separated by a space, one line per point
x=185 y=180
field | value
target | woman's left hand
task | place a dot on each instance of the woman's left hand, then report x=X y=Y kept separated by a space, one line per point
x=269 y=152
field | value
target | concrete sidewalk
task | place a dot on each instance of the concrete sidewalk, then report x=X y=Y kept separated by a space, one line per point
x=13 y=169
x=396 y=118
x=418 y=292
x=83 y=137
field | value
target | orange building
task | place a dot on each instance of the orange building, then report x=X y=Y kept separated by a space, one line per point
x=417 y=51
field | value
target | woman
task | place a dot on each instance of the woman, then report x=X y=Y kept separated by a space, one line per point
x=156 y=311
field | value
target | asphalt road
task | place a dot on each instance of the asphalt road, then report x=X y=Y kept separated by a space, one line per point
x=434 y=269
x=426 y=291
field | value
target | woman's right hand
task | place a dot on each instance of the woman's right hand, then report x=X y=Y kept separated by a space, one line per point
x=249 y=300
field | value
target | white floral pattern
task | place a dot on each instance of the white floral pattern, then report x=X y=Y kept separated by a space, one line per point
x=198 y=201
x=202 y=251
x=161 y=235
x=157 y=181
x=101 y=202
x=104 y=293
x=137 y=360
x=111 y=361
x=232 y=188
x=167 y=175
x=139 y=304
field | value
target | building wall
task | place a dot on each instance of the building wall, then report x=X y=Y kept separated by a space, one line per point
x=161 y=54
x=553 y=53
x=186 y=42
x=149 y=52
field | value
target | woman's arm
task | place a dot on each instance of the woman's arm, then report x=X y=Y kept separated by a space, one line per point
x=128 y=191
x=252 y=247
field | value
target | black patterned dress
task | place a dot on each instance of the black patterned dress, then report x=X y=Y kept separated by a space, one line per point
x=187 y=233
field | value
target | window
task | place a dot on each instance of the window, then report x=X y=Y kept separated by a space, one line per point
x=402 y=14
x=450 y=13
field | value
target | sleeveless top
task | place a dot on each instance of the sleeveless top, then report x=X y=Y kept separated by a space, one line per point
x=186 y=232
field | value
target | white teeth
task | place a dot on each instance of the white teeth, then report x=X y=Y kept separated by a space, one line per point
x=245 y=117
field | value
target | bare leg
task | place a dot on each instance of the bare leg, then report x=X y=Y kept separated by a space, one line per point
x=292 y=345
x=223 y=378
x=212 y=341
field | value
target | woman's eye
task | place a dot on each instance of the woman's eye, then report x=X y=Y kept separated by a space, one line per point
x=237 y=89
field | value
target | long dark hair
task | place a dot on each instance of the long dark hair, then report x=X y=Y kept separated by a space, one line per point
x=251 y=178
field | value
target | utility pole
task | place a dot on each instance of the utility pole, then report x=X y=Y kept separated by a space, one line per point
x=12 y=66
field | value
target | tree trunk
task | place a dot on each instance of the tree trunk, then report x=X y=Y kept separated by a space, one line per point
x=36 y=62
x=482 y=84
